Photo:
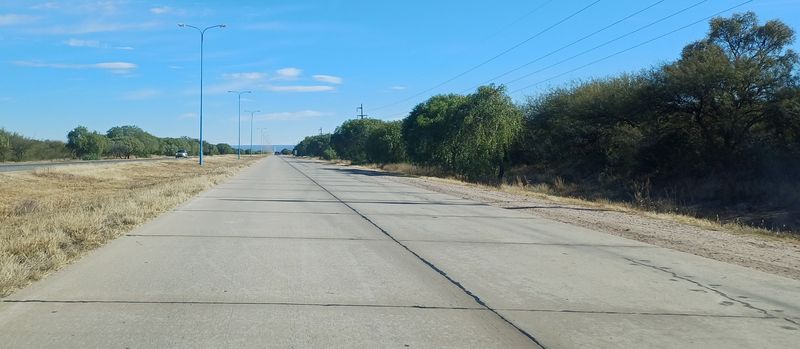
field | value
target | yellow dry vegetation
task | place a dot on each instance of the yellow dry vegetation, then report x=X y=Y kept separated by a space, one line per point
x=50 y=217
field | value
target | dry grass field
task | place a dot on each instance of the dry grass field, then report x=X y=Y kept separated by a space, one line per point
x=50 y=217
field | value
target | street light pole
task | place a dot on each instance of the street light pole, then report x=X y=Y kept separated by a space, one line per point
x=251 y=128
x=202 y=40
x=261 y=133
x=240 y=93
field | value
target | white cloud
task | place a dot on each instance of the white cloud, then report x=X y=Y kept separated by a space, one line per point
x=94 y=44
x=92 y=27
x=115 y=67
x=249 y=76
x=288 y=74
x=15 y=19
x=139 y=95
x=397 y=88
x=329 y=79
x=160 y=10
x=46 y=6
x=292 y=115
x=82 y=43
x=185 y=116
x=300 y=88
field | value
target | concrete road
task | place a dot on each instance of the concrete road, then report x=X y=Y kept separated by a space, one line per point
x=295 y=254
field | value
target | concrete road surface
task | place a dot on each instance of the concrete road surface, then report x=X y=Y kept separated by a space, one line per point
x=296 y=254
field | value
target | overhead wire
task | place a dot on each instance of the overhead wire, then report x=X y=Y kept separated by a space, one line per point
x=473 y=68
x=632 y=47
x=567 y=45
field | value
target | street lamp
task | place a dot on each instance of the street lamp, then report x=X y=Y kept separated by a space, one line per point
x=240 y=93
x=251 y=127
x=261 y=132
x=202 y=39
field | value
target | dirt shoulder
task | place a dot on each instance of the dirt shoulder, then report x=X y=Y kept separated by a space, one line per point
x=774 y=255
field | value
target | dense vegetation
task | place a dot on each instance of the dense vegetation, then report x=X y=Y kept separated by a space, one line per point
x=716 y=130
x=118 y=142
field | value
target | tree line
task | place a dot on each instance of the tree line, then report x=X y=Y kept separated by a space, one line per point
x=721 y=123
x=118 y=142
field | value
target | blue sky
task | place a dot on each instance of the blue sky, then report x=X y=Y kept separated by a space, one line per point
x=311 y=63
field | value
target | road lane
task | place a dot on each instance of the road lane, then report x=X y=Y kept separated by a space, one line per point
x=281 y=265
x=573 y=287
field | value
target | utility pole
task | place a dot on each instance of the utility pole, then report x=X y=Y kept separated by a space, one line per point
x=320 y=130
x=361 y=113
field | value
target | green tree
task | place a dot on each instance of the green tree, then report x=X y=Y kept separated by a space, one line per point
x=489 y=123
x=385 y=144
x=428 y=129
x=350 y=139
x=85 y=144
x=721 y=87
x=224 y=148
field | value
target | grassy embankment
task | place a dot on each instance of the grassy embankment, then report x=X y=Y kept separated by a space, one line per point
x=50 y=217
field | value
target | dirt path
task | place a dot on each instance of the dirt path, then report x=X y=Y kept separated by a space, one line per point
x=771 y=255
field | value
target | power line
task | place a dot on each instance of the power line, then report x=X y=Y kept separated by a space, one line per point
x=566 y=46
x=633 y=47
x=512 y=23
x=494 y=57
x=609 y=41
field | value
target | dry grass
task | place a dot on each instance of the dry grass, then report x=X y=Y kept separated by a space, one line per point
x=50 y=217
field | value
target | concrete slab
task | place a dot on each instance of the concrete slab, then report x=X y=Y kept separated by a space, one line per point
x=304 y=271
x=619 y=331
x=256 y=205
x=536 y=277
x=480 y=229
x=249 y=326
x=259 y=224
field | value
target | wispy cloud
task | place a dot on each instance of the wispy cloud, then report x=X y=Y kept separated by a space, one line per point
x=300 y=88
x=115 y=67
x=15 y=19
x=249 y=76
x=92 y=27
x=267 y=82
x=93 y=44
x=287 y=74
x=140 y=95
x=292 y=115
x=160 y=10
x=329 y=79
x=185 y=116
x=46 y=6
x=397 y=88
x=82 y=43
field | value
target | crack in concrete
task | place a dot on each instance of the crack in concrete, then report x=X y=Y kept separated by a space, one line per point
x=529 y=243
x=46 y=301
x=609 y=312
x=249 y=237
x=426 y=262
x=718 y=292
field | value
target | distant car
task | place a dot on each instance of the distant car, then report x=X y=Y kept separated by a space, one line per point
x=181 y=154
x=277 y=153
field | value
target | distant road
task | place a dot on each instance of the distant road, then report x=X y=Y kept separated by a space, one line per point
x=30 y=166
x=292 y=253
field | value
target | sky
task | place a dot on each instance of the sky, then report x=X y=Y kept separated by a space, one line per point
x=310 y=64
